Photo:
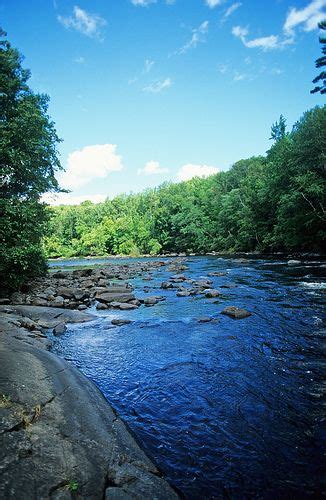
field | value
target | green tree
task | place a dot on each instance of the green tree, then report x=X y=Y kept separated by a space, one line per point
x=320 y=62
x=28 y=162
x=278 y=129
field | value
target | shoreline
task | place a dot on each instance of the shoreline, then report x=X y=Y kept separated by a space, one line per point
x=60 y=438
x=280 y=255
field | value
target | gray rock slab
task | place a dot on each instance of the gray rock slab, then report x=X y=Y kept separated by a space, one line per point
x=57 y=430
x=49 y=317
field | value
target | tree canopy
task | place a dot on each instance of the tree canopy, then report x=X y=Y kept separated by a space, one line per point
x=28 y=162
x=320 y=62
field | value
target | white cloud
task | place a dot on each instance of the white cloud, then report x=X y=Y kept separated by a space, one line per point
x=152 y=168
x=238 y=77
x=88 y=24
x=308 y=17
x=79 y=60
x=240 y=32
x=148 y=65
x=223 y=69
x=198 y=36
x=158 y=86
x=213 y=3
x=90 y=163
x=231 y=9
x=265 y=43
x=142 y=3
x=191 y=170
x=70 y=199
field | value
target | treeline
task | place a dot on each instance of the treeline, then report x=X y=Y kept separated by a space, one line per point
x=267 y=204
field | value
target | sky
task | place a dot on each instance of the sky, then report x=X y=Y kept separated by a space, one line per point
x=148 y=91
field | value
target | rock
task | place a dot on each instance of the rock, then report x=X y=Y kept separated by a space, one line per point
x=82 y=273
x=211 y=294
x=127 y=307
x=17 y=298
x=150 y=301
x=58 y=301
x=73 y=434
x=28 y=323
x=66 y=292
x=82 y=307
x=183 y=293
x=59 y=329
x=120 y=322
x=204 y=319
x=39 y=302
x=236 y=312
x=4 y=301
x=165 y=285
x=81 y=295
x=101 y=306
x=216 y=273
x=60 y=275
x=108 y=297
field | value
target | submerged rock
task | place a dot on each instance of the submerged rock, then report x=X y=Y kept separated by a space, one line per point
x=120 y=321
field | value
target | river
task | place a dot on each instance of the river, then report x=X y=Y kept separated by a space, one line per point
x=228 y=408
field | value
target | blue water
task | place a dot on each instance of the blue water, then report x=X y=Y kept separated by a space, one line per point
x=227 y=409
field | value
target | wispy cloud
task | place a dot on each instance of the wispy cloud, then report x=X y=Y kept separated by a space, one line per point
x=191 y=170
x=148 y=64
x=88 y=24
x=79 y=60
x=238 y=77
x=158 y=86
x=235 y=6
x=213 y=3
x=152 y=168
x=88 y=163
x=198 y=36
x=142 y=3
x=265 y=43
x=308 y=17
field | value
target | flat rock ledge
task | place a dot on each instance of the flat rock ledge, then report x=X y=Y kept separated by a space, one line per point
x=59 y=437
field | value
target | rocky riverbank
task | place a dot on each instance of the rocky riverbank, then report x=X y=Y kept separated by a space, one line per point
x=59 y=438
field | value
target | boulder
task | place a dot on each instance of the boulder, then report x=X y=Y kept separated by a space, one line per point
x=59 y=329
x=204 y=319
x=183 y=293
x=60 y=275
x=150 y=301
x=108 y=297
x=101 y=306
x=236 y=312
x=120 y=321
x=211 y=294
x=127 y=307
x=165 y=285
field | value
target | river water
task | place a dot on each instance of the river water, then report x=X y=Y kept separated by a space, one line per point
x=229 y=408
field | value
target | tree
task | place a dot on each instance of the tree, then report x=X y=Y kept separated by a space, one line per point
x=278 y=129
x=28 y=162
x=320 y=62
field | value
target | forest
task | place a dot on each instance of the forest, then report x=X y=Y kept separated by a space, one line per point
x=272 y=203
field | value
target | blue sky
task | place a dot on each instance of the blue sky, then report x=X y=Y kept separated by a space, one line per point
x=145 y=91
